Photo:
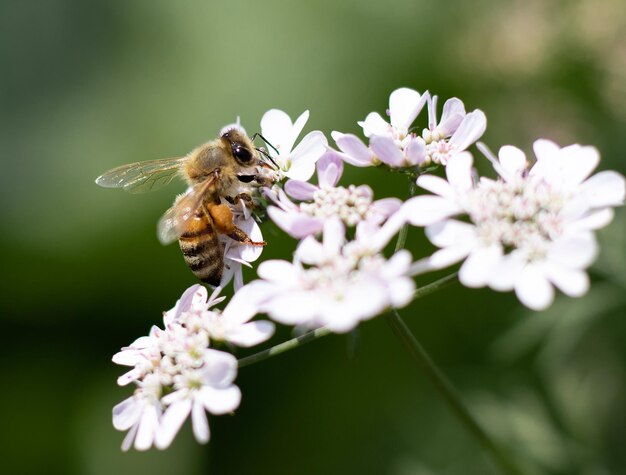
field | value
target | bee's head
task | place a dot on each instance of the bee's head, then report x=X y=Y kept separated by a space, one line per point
x=240 y=146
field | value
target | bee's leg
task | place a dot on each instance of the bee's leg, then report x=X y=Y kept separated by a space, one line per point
x=224 y=223
x=241 y=236
x=242 y=197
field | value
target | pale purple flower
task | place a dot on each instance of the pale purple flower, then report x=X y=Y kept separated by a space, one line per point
x=326 y=200
x=297 y=163
x=335 y=283
x=456 y=131
x=390 y=142
x=529 y=230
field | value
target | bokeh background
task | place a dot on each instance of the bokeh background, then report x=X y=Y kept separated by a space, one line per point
x=86 y=86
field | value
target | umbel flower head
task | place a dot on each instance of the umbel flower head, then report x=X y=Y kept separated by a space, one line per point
x=396 y=144
x=177 y=373
x=319 y=203
x=530 y=229
x=336 y=283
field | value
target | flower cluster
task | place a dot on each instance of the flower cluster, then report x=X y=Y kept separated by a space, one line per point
x=335 y=283
x=178 y=372
x=529 y=229
x=396 y=145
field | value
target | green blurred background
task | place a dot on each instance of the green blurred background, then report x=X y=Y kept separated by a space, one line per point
x=86 y=86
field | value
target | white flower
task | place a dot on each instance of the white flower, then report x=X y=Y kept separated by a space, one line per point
x=231 y=325
x=530 y=229
x=176 y=372
x=140 y=415
x=208 y=388
x=334 y=283
x=456 y=131
x=297 y=163
x=390 y=143
x=326 y=200
x=404 y=106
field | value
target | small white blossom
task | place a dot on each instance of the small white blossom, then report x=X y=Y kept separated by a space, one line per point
x=456 y=131
x=396 y=145
x=530 y=229
x=335 y=283
x=297 y=163
x=176 y=371
x=352 y=204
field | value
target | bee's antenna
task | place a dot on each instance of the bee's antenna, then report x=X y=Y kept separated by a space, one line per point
x=267 y=156
x=263 y=152
x=266 y=142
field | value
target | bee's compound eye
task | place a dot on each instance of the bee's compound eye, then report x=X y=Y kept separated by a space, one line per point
x=241 y=153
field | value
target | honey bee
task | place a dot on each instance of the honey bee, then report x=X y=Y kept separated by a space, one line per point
x=226 y=167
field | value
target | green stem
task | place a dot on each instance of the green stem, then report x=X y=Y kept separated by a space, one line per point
x=320 y=332
x=285 y=346
x=443 y=386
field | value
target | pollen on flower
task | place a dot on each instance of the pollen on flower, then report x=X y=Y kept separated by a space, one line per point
x=351 y=205
x=438 y=151
x=521 y=214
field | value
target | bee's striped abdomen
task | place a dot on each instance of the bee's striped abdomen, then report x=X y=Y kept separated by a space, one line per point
x=202 y=249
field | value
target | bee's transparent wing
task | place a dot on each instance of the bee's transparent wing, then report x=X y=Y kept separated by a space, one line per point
x=142 y=176
x=173 y=223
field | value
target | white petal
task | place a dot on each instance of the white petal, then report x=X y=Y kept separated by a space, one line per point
x=387 y=151
x=381 y=237
x=295 y=224
x=126 y=413
x=606 y=188
x=436 y=185
x=533 y=288
x=451 y=233
x=309 y=251
x=402 y=291
x=199 y=423
x=300 y=190
x=247 y=252
x=329 y=169
x=545 y=149
x=513 y=161
x=172 y=420
x=477 y=268
x=294 y=307
x=415 y=151
x=220 y=368
x=374 y=124
x=250 y=334
x=304 y=156
x=572 y=282
x=574 y=251
x=471 y=129
x=334 y=237
x=277 y=128
x=505 y=273
x=577 y=163
x=451 y=117
x=148 y=426
x=425 y=210
x=355 y=151
x=220 y=401
x=459 y=171
x=447 y=256
x=386 y=206
x=594 y=220
x=130 y=437
x=276 y=270
x=404 y=106
x=242 y=306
